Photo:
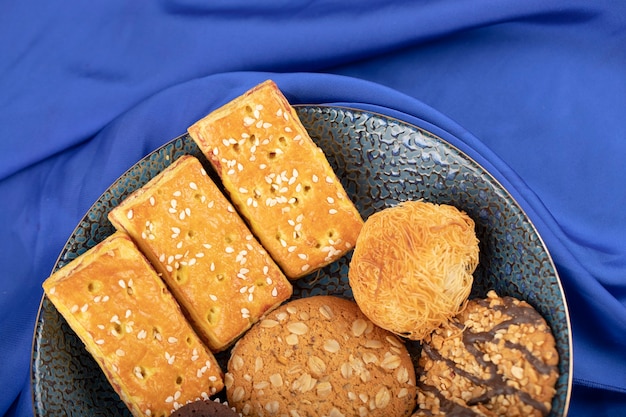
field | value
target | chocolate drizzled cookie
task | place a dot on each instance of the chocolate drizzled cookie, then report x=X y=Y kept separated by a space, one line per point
x=497 y=357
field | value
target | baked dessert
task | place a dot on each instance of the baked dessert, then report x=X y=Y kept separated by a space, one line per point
x=320 y=356
x=279 y=180
x=206 y=408
x=220 y=275
x=412 y=266
x=498 y=357
x=132 y=326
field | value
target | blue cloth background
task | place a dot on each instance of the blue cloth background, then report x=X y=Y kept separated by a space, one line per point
x=535 y=91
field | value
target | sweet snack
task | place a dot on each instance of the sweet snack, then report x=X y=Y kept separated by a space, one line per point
x=132 y=326
x=206 y=408
x=279 y=180
x=412 y=266
x=220 y=275
x=320 y=356
x=498 y=357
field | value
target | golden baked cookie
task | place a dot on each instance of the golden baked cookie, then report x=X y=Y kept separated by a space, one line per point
x=134 y=329
x=497 y=358
x=220 y=275
x=279 y=180
x=412 y=266
x=320 y=356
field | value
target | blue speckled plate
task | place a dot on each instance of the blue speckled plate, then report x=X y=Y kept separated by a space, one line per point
x=381 y=162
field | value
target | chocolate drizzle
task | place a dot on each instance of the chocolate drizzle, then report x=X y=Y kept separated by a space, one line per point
x=495 y=384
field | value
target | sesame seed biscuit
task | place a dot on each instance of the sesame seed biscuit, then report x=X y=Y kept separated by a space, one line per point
x=132 y=326
x=279 y=180
x=498 y=357
x=320 y=356
x=219 y=273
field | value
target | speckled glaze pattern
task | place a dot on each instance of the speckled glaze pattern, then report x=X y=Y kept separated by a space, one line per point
x=381 y=162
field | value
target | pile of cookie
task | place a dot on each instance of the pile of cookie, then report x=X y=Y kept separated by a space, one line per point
x=202 y=262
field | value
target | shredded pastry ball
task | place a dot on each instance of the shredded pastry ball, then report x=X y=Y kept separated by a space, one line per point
x=412 y=266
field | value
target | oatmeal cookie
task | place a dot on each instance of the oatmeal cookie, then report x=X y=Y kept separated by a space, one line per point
x=320 y=356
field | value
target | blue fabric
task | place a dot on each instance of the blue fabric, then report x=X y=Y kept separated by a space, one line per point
x=535 y=91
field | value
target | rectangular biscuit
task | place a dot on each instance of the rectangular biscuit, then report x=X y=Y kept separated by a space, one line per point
x=280 y=181
x=219 y=273
x=129 y=322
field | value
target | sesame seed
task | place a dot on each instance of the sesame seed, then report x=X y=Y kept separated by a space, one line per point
x=100 y=342
x=330 y=200
x=142 y=334
x=177 y=193
x=84 y=308
x=213 y=297
x=121 y=283
x=172 y=339
x=315 y=178
x=120 y=352
x=305 y=267
x=248 y=121
x=329 y=179
x=129 y=214
x=128 y=313
x=105 y=298
x=193 y=185
x=162 y=258
x=274 y=292
x=229 y=249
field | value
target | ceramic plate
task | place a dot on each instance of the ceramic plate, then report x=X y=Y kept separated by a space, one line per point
x=381 y=162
